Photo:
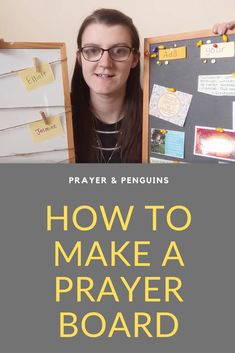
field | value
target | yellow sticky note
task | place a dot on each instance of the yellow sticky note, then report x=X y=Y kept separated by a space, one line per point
x=172 y=53
x=41 y=132
x=32 y=79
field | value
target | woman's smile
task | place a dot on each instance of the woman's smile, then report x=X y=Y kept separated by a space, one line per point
x=105 y=76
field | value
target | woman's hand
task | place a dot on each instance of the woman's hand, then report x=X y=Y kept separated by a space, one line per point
x=222 y=28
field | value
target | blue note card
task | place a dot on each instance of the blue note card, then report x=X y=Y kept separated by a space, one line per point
x=174 y=144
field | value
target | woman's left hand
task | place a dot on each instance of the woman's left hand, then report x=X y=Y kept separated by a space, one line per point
x=222 y=28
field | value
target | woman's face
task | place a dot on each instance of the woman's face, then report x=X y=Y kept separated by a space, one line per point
x=106 y=76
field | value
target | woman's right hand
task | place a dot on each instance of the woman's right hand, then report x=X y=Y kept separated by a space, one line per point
x=222 y=28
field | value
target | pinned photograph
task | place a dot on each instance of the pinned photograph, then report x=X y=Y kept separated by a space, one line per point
x=168 y=142
x=214 y=143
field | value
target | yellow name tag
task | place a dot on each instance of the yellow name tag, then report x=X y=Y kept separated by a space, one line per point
x=32 y=79
x=172 y=53
x=41 y=131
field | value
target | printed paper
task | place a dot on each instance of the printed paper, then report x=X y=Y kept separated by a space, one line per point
x=172 y=53
x=214 y=143
x=233 y=115
x=223 y=50
x=154 y=160
x=32 y=79
x=169 y=106
x=41 y=132
x=168 y=142
x=217 y=85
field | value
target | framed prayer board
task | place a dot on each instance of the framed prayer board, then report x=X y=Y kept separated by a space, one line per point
x=189 y=98
x=35 y=109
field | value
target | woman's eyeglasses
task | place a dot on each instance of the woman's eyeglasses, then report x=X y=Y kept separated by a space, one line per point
x=118 y=53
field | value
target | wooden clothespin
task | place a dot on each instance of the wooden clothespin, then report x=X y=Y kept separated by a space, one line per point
x=36 y=64
x=44 y=118
x=1 y=42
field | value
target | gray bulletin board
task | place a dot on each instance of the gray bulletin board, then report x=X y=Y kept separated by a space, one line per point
x=206 y=110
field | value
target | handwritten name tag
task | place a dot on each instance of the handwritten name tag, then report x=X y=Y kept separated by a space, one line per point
x=221 y=50
x=41 y=132
x=172 y=53
x=32 y=79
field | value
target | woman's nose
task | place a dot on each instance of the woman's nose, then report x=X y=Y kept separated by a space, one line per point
x=105 y=60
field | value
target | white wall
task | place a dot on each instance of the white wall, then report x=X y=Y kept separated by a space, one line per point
x=59 y=20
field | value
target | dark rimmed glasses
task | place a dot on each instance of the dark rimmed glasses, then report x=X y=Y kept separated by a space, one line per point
x=116 y=53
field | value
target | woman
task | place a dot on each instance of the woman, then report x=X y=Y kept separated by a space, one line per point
x=106 y=92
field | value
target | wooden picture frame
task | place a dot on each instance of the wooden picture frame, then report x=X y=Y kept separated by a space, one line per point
x=20 y=56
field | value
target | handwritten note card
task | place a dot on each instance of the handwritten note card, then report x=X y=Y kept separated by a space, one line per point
x=172 y=53
x=41 y=131
x=217 y=50
x=169 y=106
x=217 y=85
x=32 y=79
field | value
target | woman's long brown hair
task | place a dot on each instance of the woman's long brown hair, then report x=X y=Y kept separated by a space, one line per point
x=131 y=125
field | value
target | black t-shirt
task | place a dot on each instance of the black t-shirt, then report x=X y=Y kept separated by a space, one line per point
x=106 y=137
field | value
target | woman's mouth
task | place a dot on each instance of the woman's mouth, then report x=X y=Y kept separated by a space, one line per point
x=104 y=75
